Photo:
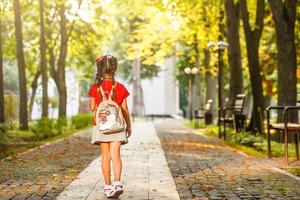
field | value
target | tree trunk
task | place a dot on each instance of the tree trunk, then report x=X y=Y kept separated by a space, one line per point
x=284 y=14
x=23 y=113
x=34 y=85
x=252 y=44
x=43 y=61
x=234 y=49
x=2 y=118
x=210 y=81
x=138 y=108
x=61 y=63
x=197 y=96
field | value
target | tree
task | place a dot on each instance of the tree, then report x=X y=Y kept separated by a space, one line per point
x=34 y=85
x=138 y=100
x=143 y=47
x=2 y=110
x=197 y=20
x=57 y=69
x=43 y=61
x=23 y=113
x=284 y=15
x=61 y=63
x=232 y=9
x=253 y=35
x=210 y=79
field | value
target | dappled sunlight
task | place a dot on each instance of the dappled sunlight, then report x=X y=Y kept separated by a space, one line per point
x=205 y=169
x=194 y=145
x=207 y=74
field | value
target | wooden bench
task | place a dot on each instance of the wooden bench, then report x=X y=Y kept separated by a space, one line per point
x=287 y=127
x=235 y=115
x=206 y=112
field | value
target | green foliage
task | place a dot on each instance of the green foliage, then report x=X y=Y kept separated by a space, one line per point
x=3 y=128
x=249 y=143
x=44 y=128
x=245 y=139
x=11 y=106
x=61 y=124
x=211 y=130
x=3 y=135
x=82 y=120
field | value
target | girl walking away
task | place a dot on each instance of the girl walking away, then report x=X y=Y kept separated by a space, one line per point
x=112 y=124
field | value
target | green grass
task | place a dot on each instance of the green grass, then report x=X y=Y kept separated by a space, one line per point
x=20 y=141
x=195 y=124
x=248 y=143
x=294 y=171
x=24 y=135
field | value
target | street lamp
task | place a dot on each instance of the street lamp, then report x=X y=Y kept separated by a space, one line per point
x=221 y=46
x=191 y=72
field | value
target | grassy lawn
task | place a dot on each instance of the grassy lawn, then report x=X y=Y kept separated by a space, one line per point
x=41 y=131
x=246 y=142
x=20 y=141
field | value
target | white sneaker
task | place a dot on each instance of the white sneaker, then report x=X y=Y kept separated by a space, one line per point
x=107 y=189
x=116 y=191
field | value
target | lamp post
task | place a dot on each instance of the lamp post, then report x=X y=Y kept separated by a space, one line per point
x=191 y=72
x=221 y=46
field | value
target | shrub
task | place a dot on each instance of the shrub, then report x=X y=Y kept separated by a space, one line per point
x=44 y=128
x=3 y=137
x=3 y=128
x=82 y=120
x=11 y=103
x=245 y=139
x=61 y=124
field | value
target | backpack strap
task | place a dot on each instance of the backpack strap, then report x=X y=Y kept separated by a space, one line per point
x=111 y=91
x=103 y=93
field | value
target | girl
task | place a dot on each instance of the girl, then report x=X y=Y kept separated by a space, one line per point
x=110 y=143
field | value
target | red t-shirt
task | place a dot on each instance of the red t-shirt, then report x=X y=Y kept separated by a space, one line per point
x=121 y=92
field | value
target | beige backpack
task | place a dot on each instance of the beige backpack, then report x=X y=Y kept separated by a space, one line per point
x=109 y=117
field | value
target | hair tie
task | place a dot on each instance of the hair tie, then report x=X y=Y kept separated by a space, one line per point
x=99 y=59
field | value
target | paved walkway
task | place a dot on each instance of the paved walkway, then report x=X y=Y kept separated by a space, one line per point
x=206 y=168
x=145 y=171
x=42 y=173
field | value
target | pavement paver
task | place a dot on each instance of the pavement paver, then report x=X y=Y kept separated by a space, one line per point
x=145 y=171
x=44 y=172
x=206 y=168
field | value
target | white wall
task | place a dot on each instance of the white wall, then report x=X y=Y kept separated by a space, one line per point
x=72 y=97
x=161 y=93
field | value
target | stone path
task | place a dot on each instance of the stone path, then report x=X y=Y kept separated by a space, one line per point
x=205 y=168
x=145 y=171
x=44 y=172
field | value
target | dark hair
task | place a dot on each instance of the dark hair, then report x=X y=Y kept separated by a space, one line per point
x=106 y=64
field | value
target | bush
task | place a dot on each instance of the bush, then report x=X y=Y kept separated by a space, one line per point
x=246 y=139
x=11 y=103
x=44 y=128
x=3 y=128
x=82 y=120
x=3 y=137
x=61 y=124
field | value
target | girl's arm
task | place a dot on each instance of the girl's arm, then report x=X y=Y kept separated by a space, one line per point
x=126 y=115
x=92 y=104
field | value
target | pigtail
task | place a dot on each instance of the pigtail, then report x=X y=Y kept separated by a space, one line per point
x=113 y=89
x=106 y=64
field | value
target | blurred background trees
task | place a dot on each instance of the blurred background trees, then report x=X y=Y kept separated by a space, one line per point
x=47 y=39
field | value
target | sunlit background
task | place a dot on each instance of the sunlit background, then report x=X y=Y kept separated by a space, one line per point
x=154 y=42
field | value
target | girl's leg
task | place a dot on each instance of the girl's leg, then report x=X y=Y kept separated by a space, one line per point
x=105 y=161
x=116 y=158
